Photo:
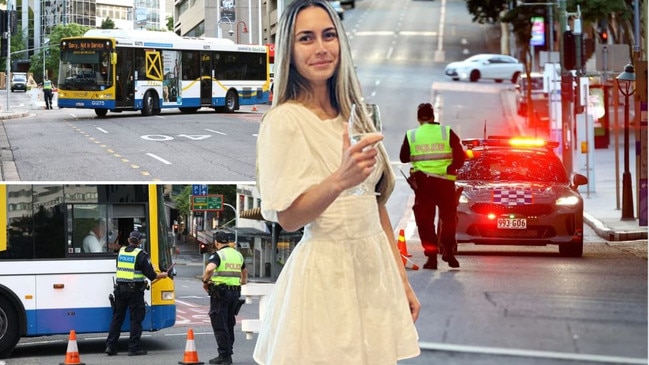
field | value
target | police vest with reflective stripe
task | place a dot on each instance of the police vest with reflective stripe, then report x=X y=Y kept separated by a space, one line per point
x=430 y=150
x=229 y=270
x=126 y=272
x=47 y=85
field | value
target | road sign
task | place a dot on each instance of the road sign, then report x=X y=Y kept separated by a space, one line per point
x=199 y=189
x=207 y=202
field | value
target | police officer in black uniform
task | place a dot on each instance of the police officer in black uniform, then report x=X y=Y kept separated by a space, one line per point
x=222 y=279
x=133 y=268
x=436 y=153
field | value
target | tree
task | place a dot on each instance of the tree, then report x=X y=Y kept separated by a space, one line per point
x=52 y=53
x=108 y=23
x=170 y=23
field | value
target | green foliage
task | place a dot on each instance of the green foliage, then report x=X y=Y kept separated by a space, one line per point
x=170 y=23
x=107 y=23
x=486 y=11
x=52 y=60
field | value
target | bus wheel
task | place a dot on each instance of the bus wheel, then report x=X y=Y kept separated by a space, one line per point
x=8 y=327
x=101 y=112
x=231 y=102
x=147 y=104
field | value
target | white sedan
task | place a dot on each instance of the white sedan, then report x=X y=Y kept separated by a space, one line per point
x=495 y=67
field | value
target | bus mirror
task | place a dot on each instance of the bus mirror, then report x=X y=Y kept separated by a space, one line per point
x=113 y=58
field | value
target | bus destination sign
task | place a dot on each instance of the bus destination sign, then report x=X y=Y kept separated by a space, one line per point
x=88 y=44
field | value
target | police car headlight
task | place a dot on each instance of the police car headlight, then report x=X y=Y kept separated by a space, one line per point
x=463 y=199
x=567 y=200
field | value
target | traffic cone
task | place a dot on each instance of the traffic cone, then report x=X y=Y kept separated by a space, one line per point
x=72 y=354
x=254 y=108
x=191 y=356
x=406 y=261
x=403 y=248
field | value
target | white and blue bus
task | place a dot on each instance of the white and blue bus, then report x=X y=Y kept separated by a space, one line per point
x=117 y=70
x=52 y=281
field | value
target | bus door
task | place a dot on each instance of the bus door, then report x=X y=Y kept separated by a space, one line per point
x=125 y=82
x=206 y=79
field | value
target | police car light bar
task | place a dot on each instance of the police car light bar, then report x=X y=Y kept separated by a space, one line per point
x=505 y=141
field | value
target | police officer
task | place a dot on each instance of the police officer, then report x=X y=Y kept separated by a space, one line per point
x=222 y=279
x=436 y=153
x=47 y=92
x=133 y=268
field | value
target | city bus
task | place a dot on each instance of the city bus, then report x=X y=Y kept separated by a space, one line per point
x=52 y=281
x=117 y=70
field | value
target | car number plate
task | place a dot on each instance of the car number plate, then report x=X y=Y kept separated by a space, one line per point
x=512 y=223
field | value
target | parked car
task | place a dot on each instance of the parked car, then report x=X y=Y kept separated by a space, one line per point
x=19 y=82
x=338 y=7
x=515 y=191
x=539 y=97
x=495 y=67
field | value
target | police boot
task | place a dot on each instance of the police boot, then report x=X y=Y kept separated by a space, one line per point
x=431 y=263
x=222 y=359
x=449 y=257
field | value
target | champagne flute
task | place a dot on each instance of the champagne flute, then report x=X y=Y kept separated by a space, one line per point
x=356 y=134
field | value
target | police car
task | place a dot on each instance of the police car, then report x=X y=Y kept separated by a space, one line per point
x=515 y=191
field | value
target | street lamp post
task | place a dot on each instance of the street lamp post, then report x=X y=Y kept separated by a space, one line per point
x=244 y=30
x=218 y=24
x=625 y=84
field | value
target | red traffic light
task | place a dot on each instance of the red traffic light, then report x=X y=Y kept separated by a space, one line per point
x=203 y=248
x=603 y=36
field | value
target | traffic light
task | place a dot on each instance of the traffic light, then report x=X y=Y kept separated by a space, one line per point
x=567 y=89
x=603 y=36
x=203 y=248
x=4 y=47
x=569 y=51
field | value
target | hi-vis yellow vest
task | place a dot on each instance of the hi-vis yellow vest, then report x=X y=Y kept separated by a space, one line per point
x=430 y=150
x=47 y=85
x=126 y=272
x=229 y=270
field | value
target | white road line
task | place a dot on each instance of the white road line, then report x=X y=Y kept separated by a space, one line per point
x=102 y=130
x=530 y=353
x=217 y=132
x=186 y=303
x=159 y=158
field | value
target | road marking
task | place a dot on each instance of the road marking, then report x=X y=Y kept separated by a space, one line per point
x=102 y=130
x=159 y=158
x=432 y=346
x=217 y=132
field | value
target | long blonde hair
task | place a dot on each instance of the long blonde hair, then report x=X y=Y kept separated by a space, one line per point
x=344 y=88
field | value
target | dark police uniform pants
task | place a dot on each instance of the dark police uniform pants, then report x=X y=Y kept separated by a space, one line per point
x=133 y=300
x=435 y=193
x=223 y=319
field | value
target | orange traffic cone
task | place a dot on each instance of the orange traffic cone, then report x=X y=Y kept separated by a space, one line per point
x=72 y=354
x=406 y=261
x=403 y=248
x=191 y=356
x=254 y=108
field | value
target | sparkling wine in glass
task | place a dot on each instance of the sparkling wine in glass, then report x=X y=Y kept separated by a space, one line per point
x=356 y=134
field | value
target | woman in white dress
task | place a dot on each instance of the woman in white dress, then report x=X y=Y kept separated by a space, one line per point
x=343 y=296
